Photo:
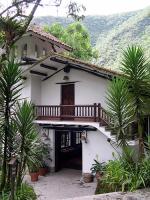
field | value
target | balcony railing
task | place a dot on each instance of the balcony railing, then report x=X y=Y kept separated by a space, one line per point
x=93 y=113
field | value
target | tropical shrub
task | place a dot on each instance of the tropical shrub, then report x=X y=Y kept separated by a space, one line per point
x=98 y=167
x=24 y=192
x=124 y=175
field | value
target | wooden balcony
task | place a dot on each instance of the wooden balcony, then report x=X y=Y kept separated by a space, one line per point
x=90 y=113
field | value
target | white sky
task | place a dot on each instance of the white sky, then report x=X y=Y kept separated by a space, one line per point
x=97 y=7
x=93 y=7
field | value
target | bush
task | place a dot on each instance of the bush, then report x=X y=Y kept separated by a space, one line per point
x=125 y=175
x=97 y=167
x=25 y=192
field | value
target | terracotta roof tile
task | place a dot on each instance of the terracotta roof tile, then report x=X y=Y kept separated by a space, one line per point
x=90 y=65
x=40 y=31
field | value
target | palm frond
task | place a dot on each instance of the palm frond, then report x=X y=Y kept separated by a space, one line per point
x=120 y=108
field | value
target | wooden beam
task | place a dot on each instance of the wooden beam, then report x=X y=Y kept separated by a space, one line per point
x=65 y=83
x=48 y=67
x=53 y=47
x=26 y=63
x=38 y=73
x=94 y=72
x=52 y=74
x=68 y=127
x=58 y=60
x=79 y=67
x=28 y=59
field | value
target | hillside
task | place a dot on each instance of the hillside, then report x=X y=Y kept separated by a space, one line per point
x=111 y=34
x=134 y=30
x=95 y=24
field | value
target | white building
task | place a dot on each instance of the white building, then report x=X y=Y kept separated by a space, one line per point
x=69 y=98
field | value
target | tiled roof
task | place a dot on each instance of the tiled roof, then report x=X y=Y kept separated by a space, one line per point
x=90 y=65
x=93 y=67
x=40 y=31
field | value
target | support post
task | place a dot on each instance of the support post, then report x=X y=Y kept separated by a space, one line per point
x=99 y=112
x=95 y=112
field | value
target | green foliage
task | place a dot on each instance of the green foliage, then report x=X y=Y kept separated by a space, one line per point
x=77 y=36
x=128 y=97
x=120 y=109
x=25 y=192
x=10 y=87
x=55 y=29
x=136 y=68
x=29 y=145
x=112 y=33
x=125 y=175
x=133 y=30
x=9 y=79
x=97 y=167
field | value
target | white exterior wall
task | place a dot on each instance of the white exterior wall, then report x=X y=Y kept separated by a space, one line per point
x=97 y=148
x=89 y=89
x=26 y=91
x=51 y=143
x=36 y=90
x=31 y=42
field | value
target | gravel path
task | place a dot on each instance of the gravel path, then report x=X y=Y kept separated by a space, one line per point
x=61 y=185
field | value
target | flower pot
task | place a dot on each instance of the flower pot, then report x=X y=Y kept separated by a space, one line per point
x=98 y=175
x=34 y=176
x=43 y=171
x=88 y=177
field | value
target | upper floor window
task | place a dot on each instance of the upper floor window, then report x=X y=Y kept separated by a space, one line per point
x=24 y=51
x=36 y=51
x=44 y=52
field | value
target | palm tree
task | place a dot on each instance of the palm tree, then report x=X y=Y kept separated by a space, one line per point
x=27 y=139
x=128 y=96
x=136 y=69
x=10 y=87
x=120 y=109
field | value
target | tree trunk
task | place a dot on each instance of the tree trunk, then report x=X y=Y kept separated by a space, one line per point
x=4 y=166
x=141 y=139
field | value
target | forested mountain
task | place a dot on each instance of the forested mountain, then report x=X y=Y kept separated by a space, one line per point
x=134 y=30
x=95 y=24
x=111 y=34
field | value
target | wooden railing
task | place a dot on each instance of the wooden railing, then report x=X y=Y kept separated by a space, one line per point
x=72 y=112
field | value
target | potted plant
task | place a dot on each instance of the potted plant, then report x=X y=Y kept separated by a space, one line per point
x=98 y=169
x=34 y=172
x=43 y=170
x=45 y=158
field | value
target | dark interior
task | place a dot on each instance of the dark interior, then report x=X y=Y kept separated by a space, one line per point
x=68 y=150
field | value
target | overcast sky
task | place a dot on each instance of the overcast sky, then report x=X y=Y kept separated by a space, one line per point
x=93 y=7
x=98 y=7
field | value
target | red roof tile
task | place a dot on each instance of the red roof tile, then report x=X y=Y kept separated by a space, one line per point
x=40 y=31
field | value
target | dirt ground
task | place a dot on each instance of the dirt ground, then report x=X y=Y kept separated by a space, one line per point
x=61 y=185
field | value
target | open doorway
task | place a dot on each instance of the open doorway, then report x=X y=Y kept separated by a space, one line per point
x=68 y=150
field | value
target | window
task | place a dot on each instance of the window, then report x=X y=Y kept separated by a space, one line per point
x=24 y=51
x=36 y=51
x=65 y=139
x=44 y=52
x=78 y=137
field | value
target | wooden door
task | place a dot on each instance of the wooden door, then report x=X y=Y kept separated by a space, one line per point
x=68 y=150
x=67 y=98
